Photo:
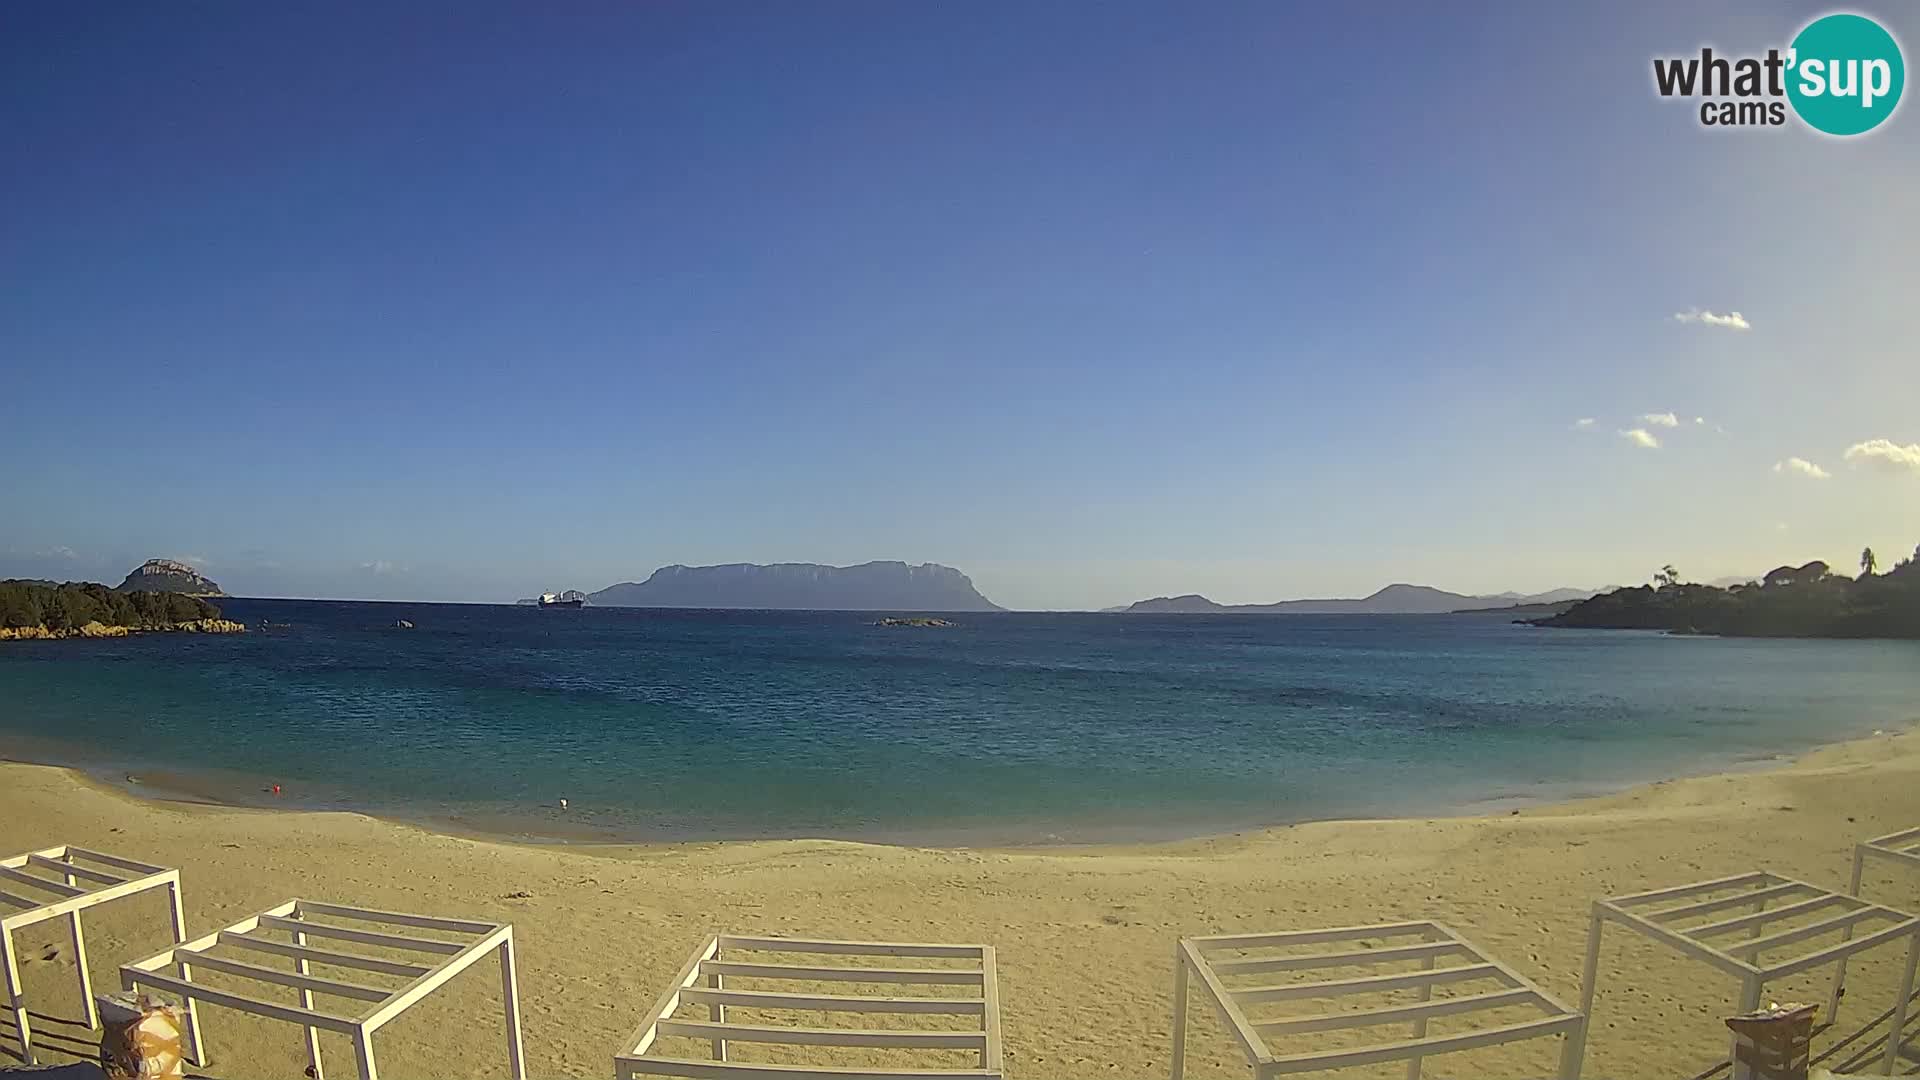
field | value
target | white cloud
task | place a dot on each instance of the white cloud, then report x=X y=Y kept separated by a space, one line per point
x=1662 y=419
x=1641 y=438
x=200 y=561
x=1732 y=320
x=1802 y=467
x=1886 y=454
x=1583 y=423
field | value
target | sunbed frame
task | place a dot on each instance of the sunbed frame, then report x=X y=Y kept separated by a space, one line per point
x=703 y=982
x=1195 y=958
x=78 y=879
x=1901 y=848
x=1647 y=913
x=382 y=1003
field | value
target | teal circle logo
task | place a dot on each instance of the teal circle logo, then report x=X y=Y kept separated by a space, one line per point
x=1845 y=74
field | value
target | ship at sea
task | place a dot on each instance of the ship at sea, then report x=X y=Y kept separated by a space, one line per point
x=570 y=598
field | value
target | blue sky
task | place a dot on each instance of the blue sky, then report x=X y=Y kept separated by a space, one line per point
x=1094 y=301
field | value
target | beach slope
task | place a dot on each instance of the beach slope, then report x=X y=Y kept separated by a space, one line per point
x=1085 y=936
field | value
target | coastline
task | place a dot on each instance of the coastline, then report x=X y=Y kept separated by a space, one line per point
x=103 y=630
x=1085 y=933
x=545 y=824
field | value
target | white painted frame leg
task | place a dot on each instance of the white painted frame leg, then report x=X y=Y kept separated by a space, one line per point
x=196 y=1046
x=301 y=966
x=1572 y=1051
x=718 y=1014
x=363 y=1054
x=1899 y=1019
x=1179 y=1011
x=1749 y=1001
x=1846 y=935
x=1420 y=1025
x=87 y=1007
x=510 y=992
x=17 y=997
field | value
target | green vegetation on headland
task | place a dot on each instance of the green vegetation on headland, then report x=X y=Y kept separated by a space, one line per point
x=1791 y=601
x=86 y=609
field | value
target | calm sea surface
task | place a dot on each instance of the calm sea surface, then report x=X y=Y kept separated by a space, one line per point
x=1007 y=727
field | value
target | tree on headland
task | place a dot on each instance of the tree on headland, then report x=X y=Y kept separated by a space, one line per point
x=1794 y=601
x=75 y=604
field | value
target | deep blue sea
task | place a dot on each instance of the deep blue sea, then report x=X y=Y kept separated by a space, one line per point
x=1005 y=728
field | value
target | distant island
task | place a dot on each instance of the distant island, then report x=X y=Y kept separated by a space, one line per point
x=1398 y=599
x=166 y=575
x=31 y=609
x=1790 y=601
x=874 y=586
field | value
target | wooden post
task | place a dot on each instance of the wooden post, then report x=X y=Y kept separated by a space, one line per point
x=510 y=991
x=1179 y=1011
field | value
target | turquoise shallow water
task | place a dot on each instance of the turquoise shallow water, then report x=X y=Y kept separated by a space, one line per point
x=1008 y=727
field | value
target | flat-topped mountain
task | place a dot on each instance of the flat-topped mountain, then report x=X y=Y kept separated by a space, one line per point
x=166 y=575
x=1398 y=599
x=874 y=586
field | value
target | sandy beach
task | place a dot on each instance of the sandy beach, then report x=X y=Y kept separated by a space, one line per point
x=1085 y=936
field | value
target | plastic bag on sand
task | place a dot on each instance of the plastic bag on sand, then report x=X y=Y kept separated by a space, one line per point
x=140 y=1038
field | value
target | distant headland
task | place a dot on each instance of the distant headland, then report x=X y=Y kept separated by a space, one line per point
x=873 y=586
x=1790 y=601
x=1397 y=599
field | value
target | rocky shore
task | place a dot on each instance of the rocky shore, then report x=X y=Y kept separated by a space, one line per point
x=100 y=630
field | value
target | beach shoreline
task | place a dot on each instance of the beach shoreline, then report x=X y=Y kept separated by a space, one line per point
x=1085 y=933
x=547 y=824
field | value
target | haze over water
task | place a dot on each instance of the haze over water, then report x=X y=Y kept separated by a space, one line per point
x=1008 y=727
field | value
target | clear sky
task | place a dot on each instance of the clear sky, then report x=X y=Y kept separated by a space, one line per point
x=1093 y=301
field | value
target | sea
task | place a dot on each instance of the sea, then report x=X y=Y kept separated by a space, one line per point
x=1004 y=728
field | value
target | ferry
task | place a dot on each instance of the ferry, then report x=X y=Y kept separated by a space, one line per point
x=570 y=598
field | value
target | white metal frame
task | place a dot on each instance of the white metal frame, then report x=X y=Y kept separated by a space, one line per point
x=1434 y=941
x=1741 y=958
x=85 y=878
x=1902 y=847
x=450 y=958
x=707 y=966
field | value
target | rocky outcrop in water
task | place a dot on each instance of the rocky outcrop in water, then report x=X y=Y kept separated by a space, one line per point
x=102 y=630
